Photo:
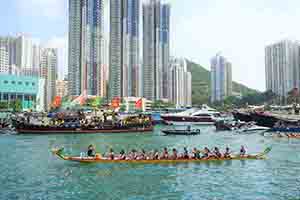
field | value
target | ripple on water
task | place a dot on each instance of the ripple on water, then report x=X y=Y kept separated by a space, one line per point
x=30 y=171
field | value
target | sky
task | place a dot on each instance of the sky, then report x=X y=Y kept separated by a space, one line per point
x=238 y=29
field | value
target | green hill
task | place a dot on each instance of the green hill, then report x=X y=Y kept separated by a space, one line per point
x=201 y=84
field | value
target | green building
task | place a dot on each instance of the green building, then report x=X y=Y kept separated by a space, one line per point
x=22 y=89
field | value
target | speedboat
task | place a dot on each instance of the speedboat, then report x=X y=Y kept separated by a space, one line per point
x=253 y=128
x=203 y=116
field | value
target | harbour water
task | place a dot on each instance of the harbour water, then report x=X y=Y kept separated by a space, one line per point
x=28 y=170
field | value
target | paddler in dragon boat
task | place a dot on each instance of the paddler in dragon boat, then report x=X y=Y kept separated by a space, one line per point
x=292 y=135
x=217 y=152
x=243 y=151
x=227 y=153
x=155 y=155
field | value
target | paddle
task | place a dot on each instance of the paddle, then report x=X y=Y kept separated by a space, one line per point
x=266 y=151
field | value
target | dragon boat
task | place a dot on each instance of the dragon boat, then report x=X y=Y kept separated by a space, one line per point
x=99 y=159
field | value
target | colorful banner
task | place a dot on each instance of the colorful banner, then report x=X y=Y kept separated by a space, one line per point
x=79 y=100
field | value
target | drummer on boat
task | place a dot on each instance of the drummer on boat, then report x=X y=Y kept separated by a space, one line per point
x=91 y=151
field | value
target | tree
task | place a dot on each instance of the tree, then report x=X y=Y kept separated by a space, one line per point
x=122 y=108
x=4 y=105
x=161 y=104
x=293 y=96
x=16 y=105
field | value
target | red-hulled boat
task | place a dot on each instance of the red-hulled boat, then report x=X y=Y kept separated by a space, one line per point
x=64 y=130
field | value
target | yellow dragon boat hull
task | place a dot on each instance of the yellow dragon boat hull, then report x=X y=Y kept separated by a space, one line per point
x=59 y=153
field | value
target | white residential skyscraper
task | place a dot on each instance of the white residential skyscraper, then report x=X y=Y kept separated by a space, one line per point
x=282 y=65
x=10 y=44
x=124 y=48
x=49 y=74
x=24 y=52
x=180 y=83
x=221 y=78
x=36 y=57
x=155 y=48
x=85 y=37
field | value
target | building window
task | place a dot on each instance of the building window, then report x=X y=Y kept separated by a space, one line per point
x=20 y=83
x=27 y=83
x=5 y=82
x=13 y=82
x=33 y=84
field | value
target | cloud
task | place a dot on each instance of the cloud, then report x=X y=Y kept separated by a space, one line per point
x=61 y=44
x=239 y=29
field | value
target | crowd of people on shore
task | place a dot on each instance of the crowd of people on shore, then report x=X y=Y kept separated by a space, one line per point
x=206 y=153
x=4 y=123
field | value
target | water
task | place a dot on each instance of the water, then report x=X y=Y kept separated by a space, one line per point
x=29 y=171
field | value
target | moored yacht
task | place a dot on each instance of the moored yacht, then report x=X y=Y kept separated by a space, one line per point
x=201 y=116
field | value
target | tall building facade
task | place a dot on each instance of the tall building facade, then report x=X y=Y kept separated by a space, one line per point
x=124 y=48
x=48 y=69
x=282 y=65
x=165 y=20
x=4 y=60
x=104 y=68
x=228 y=70
x=85 y=37
x=221 y=78
x=61 y=88
x=36 y=56
x=10 y=44
x=24 y=52
x=180 y=83
x=155 y=48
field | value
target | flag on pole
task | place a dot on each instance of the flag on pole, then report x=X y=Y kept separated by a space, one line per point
x=139 y=103
x=57 y=102
x=96 y=102
x=115 y=102
x=80 y=99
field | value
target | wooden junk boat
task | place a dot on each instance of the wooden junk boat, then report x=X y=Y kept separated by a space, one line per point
x=98 y=159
